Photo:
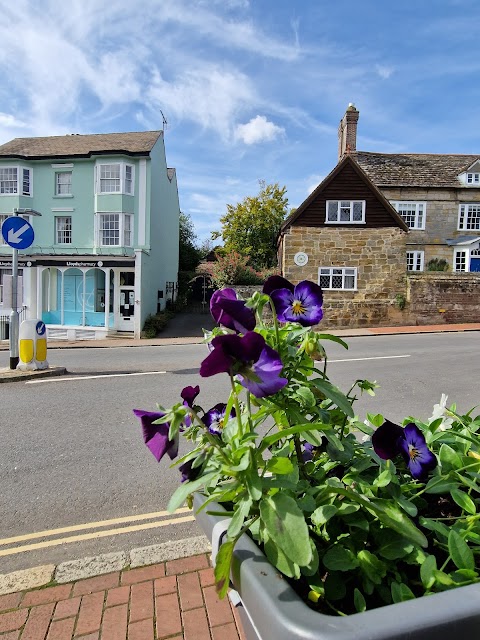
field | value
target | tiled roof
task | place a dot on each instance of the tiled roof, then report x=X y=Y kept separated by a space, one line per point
x=135 y=143
x=413 y=169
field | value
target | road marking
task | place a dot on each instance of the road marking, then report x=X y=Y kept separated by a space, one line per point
x=93 y=535
x=362 y=359
x=93 y=525
x=106 y=375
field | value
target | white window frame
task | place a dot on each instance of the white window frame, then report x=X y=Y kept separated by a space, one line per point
x=59 y=185
x=412 y=209
x=334 y=217
x=461 y=260
x=337 y=272
x=465 y=220
x=473 y=179
x=63 y=235
x=123 y=229
x=18 y=181
x=125 y=182
x=415 y=260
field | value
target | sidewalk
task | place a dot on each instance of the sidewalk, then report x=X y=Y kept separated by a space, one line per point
x=174 y=599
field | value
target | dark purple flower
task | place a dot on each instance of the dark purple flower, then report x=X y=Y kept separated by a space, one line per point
x=277 y=282
x=385 y=440
x=302 y=305
x=155 y=436
x=417 y=455
x=308 y=451
x=188 y=396
x=214 y=419
x=187 y=472
x=232 y=313
x=257 y=365
x=390 y=440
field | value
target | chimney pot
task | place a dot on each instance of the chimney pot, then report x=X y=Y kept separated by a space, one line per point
x=347 y=131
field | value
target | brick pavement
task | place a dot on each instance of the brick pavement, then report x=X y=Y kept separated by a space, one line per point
x=174 y=600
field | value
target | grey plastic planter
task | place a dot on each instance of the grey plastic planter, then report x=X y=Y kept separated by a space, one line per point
x=271 y=610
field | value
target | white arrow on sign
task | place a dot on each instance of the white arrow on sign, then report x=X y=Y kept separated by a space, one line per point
x=14 y=237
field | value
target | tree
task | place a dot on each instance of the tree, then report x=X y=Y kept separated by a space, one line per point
x=251 y=227
x=189 y=254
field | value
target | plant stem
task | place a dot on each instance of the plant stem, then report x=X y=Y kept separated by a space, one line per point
x=298 y=451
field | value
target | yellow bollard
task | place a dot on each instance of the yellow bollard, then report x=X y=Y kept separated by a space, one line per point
x=32 y=345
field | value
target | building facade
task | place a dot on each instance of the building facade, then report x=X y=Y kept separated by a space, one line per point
x=105 y=253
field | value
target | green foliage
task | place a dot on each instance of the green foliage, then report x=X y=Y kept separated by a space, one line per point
x=189 y=254
x=356 y=531
x=401 y=301
x=233 y=269
x=251 y=227
x=437 y=264
x=155 y=323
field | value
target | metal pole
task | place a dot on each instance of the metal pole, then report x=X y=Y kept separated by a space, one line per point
x=14 y=323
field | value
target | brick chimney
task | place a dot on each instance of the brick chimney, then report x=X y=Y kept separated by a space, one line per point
x=347 y=131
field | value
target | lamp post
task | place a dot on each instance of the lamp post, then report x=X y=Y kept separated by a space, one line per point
x=14 y=317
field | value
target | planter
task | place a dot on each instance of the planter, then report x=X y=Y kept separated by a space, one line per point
x=270 y=608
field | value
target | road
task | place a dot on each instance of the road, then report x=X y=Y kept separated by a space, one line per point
x=71 y=452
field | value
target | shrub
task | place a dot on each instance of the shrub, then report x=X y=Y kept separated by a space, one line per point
x=437 y=264
x=156 y=323
x=233 y=269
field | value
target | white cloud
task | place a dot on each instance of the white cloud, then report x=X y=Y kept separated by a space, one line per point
x=259 y=129
x=383 y=71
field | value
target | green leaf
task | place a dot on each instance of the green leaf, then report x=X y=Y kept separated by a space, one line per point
x=185 y=489
x=371 y=566
x=242 y=509
x=440 y=485
x=329 y=336
x=279 y=465
x=279 y=560
x=338 y=558
x=432 y=525
x=322 y=514
x=383 y=479
x=464 y=575
x=284 y=433
x=312 y=567
x=464 y=501
x=427 y=571
x=395 y=547
x=376 y=419
x=391 y=516
x=335 y=395
x=222 y=567
x=400 y=592
x=306 y=396
x=254 y=484
x=407 y=506
x=442 y=579
x=359 y=601
x=286 y=526
x=460 y=552
x=449 y=458
x=335 y=588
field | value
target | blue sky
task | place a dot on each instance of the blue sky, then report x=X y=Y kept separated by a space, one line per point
x=251 y=89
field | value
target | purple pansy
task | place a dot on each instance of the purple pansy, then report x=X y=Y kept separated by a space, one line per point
x=302 y=305
x=257 y=365
x=188 y=395
x=189 y=473
x=214 y=419
x=155 y=436
x=390 y=440
x=277 y=282
x=230 y=312
x=308 y=451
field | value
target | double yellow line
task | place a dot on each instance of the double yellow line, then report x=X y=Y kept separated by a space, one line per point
x=158 y=519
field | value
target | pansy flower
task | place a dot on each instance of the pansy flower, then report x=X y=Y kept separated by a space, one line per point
x=302 y=305
x=277 y=282
x=257 y=365
x=390 y=440
x=155 y=436
x=215 y=418
x=188 y=395
x=230 y=312
x=188 y=472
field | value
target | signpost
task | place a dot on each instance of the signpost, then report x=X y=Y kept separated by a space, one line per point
x=18 y=234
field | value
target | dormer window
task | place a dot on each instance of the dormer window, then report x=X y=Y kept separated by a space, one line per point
x=473 y=178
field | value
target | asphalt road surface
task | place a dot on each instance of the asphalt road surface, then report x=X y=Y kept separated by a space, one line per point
x=76 y=479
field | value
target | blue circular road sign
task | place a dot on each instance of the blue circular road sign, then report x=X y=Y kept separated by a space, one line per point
x=17 y=232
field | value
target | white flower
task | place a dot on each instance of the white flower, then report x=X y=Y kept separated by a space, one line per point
x=439 y=411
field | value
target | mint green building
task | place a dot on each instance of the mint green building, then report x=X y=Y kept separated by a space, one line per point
x=105 y=252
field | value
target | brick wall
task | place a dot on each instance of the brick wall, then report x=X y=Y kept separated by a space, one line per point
x=437 y=298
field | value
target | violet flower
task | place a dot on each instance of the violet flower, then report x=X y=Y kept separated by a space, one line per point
x=188 y=395
x=277 y=282
x=189 y=473
x=215 y=419
x=390 y=440
x=232 y=313
x=257 y=365
x=155 y=436
x=302 y=305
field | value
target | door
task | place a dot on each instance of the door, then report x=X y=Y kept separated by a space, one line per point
x=127 y=309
